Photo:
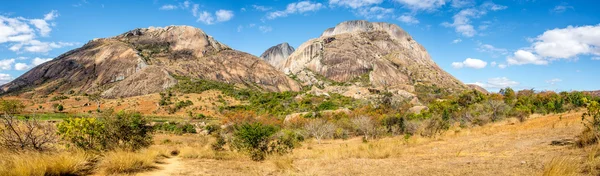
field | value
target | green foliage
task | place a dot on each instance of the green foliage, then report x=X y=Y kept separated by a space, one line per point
x=124 y=130
x=258 y=140
x=85 y=133
x=592 y=133
x=59 y=97
x=175 y=128
x=60 y=108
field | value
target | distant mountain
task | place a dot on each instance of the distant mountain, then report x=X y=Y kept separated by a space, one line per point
x=368 y=57
x=144 y=61
x=277 y=54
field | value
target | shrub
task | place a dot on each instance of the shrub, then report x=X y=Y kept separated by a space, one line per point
x=59 y=97
x=394 y=124
x=60 y=108
x=592 y=133
x=36 y=163
x=126 y=162
x=28 y=133
x=85 y=133
x=365 y=126
x=123 y=130
x=176 y=128
x=320 y=129
x=258 y=141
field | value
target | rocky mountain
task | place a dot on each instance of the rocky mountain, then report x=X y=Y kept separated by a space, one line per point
x=277 y=54
x=478 y=88
x=144 y=61
x=367 y=57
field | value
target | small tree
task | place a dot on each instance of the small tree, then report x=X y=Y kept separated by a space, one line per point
x=258 y=140
x=498 y=109
x=591 y=135
x=320 y=129
x=60 y=108
x=23 y=134
x=364 y=125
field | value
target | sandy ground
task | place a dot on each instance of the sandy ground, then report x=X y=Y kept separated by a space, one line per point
x=505 y=148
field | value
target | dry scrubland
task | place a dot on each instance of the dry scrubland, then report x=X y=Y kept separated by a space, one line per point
x=504 y=148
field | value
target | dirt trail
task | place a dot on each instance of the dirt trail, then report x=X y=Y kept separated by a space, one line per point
x=505 y=148
x=170 y=166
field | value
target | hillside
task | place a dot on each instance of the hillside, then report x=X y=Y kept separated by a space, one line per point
x=277 y=54
x=368 y=57
x=144 y=61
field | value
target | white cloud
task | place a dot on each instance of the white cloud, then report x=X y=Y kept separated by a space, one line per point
x=568 y=42
x=224 y=15
x=21 y=33
x=21 y=66
x=240 y=28
x=375 y=12
x=168 y=7
x=296 y=8
x=493 y=64
x=427 y=5
x=265 y=29
x=497 y=83
x=261 y=8
x=51 y=16
x=206 y=18
x=6 y=64
x=502 y=66
x=458 y=40
x=553 y=81
x=595 y=58
x=408 y=19
x=5 y=78
x=37 y=61
x=36 y=46
x=470 y=63
x=355 y=4
x=522 y=57
x=463 y=19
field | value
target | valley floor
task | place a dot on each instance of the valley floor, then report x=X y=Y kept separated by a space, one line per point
x=505 y=148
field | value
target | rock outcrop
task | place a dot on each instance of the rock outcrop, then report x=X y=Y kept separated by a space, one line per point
x=277 y=54
x=381 y=56
x=478 y=88
x=144 y=61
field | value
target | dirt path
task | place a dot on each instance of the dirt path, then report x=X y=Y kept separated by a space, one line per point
x=170 y=166
x=505 y=148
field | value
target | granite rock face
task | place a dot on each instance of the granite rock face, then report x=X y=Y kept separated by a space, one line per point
x=277 y=54
x=376 y=55
x=144 y=61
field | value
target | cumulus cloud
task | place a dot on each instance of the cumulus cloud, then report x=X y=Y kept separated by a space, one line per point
x=6 y=64
x=494 y=51
x=21 y=66
x=521 y=57
x=427 y=5
x=502 y=66
x=470 y=63
x=206 y=18
x=497 y=83
x=462 y=3
x=296 y=8
x=224 y=15
x=21 y=34
x=408 y=19
x=566 y=43
x=463 y=19
x=354 y=4
x=37 y=61
x=5 y=78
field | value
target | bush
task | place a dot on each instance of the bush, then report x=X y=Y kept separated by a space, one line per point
x=59 y=97
x=23 y=134
x=320 y=129
x=365 y=126
x=176 y=128
x=258 y=140
x=60 y=108
x=121 y=130
x=43 y=163
x=592 y=133
x=126 y=162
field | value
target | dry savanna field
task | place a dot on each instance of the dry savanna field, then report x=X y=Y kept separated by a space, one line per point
x=542 y=145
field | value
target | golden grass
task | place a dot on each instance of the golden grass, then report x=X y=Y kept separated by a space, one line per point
x=561 y=166
x=127 y=162
x=34 y=163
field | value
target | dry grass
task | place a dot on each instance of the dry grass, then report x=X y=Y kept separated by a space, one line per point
x=562 y=166
x=127 y=162
x=33 y=163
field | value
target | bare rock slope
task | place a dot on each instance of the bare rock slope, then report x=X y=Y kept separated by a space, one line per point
x=277 y=54
x=368 y=54
x=144 y=61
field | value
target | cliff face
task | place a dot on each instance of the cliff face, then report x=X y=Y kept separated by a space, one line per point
x=276 y=55
x=380 y=55
x=144 y=61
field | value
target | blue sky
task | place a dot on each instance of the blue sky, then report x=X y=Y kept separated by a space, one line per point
x=540 y=44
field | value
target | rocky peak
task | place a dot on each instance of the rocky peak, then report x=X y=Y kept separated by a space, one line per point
x=393 y=30
x=184 y=39
x=277 y=54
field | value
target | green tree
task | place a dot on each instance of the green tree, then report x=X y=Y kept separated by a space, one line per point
x=509 y=95
x=258 y=140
